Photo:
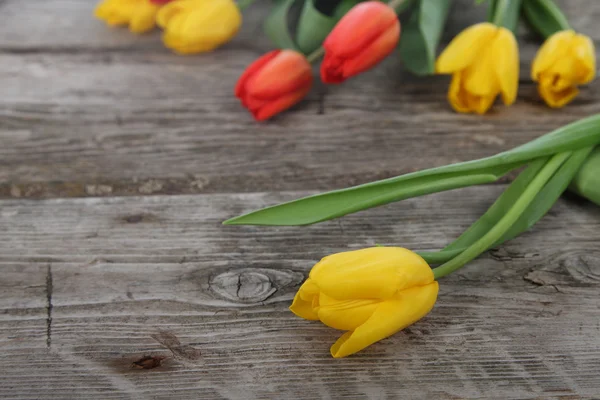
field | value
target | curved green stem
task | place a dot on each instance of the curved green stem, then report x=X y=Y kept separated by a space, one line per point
x=505 y=13
x=553 y=11
x=494 y=234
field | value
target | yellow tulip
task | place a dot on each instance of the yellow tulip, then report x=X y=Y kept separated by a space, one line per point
x=196 y=26
x=371 y=293
x=140 y=15
x=565 y=61
x=484 y=62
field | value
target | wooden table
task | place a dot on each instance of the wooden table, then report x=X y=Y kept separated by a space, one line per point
x=119 y=160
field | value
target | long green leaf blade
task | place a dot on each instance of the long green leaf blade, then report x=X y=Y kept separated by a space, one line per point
x=421 y=36
x=322 y=207
x=276 y=25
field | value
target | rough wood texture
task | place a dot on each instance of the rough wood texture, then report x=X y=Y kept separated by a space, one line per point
x=149 y=297
x=116 y=114
x=108 y=280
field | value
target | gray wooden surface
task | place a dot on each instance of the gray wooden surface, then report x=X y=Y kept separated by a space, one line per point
x=118 y=161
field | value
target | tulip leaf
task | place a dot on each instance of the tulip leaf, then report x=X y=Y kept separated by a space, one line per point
x=544 y=16
x=313 y=27
x=421 y=36
x=505 y=13
x=543 y=201
x=587 y=180
x=326 y=206
x=276 y=25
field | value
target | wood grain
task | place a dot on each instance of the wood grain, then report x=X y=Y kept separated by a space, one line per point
x=90 y=111
x=132 y=274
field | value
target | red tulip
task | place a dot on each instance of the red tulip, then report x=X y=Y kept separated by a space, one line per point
x=367 y=34
x=274 y=82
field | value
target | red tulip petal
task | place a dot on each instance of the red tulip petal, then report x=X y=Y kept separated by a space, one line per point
x=286 y=72
x=379 y=49
x=359 y=27
x=251 y=69
x=282 y=103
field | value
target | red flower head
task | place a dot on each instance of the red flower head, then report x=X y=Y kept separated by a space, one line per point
x=274 y=82
x=367 y=34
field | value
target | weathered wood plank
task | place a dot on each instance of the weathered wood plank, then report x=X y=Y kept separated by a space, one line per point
x=520 y=322
x=68 y=25
x=143 y=121
x=117 y=125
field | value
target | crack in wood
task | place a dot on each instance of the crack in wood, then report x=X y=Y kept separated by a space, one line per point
x=49 y=284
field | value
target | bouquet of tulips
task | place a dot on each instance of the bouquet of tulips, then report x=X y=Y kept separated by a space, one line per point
x=353 y=36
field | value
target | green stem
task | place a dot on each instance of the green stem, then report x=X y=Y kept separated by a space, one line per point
x=318 y=53
x=554 y=10
x=315 y=55
x=505 y=13
x=242 y=4
x=513 y=214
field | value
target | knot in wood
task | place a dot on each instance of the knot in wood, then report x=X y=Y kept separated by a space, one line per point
x=252 y=285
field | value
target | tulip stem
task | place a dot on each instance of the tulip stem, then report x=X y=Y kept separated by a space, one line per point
x=509 y=219
x=315 y=55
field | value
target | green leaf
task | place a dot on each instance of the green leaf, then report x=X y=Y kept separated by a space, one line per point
x=313 y=27
x=421 y=36
x=587 y=180
x=544 y=16
x=543 y=202
x=505 y=13
x=276 y=25
x=322 y=207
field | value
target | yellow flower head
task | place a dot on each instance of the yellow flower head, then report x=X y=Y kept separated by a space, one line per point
x=371 y=293
x=484 y=62
x=565 y=61
x=196 y=26
x=140 y=15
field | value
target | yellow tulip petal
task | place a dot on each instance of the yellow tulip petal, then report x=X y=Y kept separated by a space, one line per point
x=303 y=302
x=345 y=314
x=457 y=96
x=168 y=11
x=557 y=99
x=391 y=316
x=553 y=49
x=479 y=78
x=585 y=53
x=372 y=273
x=506 y=64
x=465 y=48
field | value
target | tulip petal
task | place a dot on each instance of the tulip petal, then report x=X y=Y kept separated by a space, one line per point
x=302 y=305
x=286 y=72
x=371 y=273
x=251 y=70
x=359 y=27
x=391 y=316
x=374 y=53
x=346 y=315
x=282 y=103
x=557 y=99
x=506 y=52
x=465 y=48
x=479 y=78
x=553 y=49
x=457 y=96
x=585 y=53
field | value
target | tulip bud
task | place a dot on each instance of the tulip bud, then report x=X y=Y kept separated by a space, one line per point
x=139 y=15
x=197 y=26
x=371 y=293
x=566 y=60
x=367 y=34
x=274 y=82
